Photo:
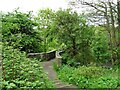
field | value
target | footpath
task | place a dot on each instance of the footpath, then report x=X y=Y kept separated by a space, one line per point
x=48 y=68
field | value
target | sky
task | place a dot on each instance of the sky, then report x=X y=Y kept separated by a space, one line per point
x=35 y=5
x=31 y=5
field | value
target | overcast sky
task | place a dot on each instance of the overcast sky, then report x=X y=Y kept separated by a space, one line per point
x=34 y=5
x=31 y=5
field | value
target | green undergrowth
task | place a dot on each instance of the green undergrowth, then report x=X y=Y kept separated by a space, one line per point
x=21 y=72
x=89 y=76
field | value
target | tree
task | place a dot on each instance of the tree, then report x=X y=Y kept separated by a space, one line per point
x=45 y=19
x=118 y=13
x=75 y=34
x=17 y=30
x=107 y=12
x=1 y=26
x=100 y=46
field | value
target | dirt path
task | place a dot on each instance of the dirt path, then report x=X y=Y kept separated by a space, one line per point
x=48 y=68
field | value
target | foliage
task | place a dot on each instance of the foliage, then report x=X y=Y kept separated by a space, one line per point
x=21 y=72
x=100 y=46
x=73 y=31
x=89 y=77
x=55 y=66
x=17 y=29
x=45 y=20
x=67 y=30
x=64 y=30
x=105 y=14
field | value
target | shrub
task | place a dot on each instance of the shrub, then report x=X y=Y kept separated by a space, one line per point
x=89 y=77
x=18 y=30
x=91 y=71
x=21 y=72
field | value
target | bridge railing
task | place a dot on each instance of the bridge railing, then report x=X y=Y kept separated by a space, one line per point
x=47 y=56
x=54 y=54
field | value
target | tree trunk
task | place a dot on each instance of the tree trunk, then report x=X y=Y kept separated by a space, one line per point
x=118 y=44
x=113 y=32
x=109 y=32
x=118 y=9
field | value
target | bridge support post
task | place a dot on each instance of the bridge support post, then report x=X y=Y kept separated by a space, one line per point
x=58 y=59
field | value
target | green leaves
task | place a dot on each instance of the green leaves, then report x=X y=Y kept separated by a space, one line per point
x=89 y=77
x=75 y=34
x=100 y=46
x=17 y=30
x=45 y=20
x=19 y=71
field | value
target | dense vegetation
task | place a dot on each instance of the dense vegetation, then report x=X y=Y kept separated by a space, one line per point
x=62 y=30
x=90 y=53
x=19 y=38
x=89 y=76
x=21 y=72
x=18 y=31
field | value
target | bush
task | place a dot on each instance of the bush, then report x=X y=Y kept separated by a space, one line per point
x=66 y=59
x=18 y=30
x=91 y=71
x=89 y=77
x=21 y=72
